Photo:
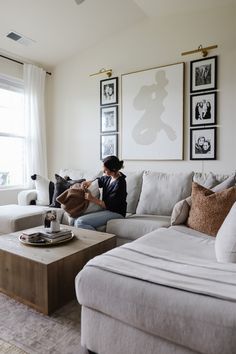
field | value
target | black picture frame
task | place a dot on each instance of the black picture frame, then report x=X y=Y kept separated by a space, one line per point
x=203 y=74
x=203 y=143
x=108 y=145
x=109 y=91
x=203 y=108
x=109 y=119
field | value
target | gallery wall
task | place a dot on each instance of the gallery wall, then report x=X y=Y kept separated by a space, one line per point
x=73 y=114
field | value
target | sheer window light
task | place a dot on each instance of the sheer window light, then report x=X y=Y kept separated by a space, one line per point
x=12 y=132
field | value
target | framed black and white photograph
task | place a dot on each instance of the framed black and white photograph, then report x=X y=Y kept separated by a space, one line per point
x=203 y=109
x=203 y=144
x=109 y=91
x=108 y=145
x=203 y=74
x=109 y=119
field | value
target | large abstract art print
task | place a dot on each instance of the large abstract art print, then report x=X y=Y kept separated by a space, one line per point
x=152 y=114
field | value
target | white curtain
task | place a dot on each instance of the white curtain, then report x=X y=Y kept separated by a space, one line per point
x=34 y=82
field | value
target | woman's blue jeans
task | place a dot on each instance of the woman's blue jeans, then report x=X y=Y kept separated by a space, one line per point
x=93 y=220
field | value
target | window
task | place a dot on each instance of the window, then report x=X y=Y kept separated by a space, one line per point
x=12 y=132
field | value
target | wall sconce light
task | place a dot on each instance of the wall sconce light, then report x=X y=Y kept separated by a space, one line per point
x=108 y=72
x=204 y=51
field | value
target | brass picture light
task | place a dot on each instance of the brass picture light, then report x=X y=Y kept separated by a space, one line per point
x=204 y=51
x=108 y=72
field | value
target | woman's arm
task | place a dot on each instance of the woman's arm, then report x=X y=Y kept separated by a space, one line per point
x=94 y=200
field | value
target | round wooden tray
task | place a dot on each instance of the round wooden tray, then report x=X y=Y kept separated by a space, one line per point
x=45 y=242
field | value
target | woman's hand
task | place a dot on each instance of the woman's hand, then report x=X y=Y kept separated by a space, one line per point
x=86 y=184
x=88 y=196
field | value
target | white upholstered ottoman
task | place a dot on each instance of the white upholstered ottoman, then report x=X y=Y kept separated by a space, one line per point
x=15 y=217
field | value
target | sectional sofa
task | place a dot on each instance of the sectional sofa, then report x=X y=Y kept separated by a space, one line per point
x=144 y=213
x=167 y=291
x=150 y=201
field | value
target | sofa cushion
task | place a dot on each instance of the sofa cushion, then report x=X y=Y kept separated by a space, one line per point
x=225 y=244
x=209 y=209
x=207 y=180
x=203 y=177
x=79 y=174
x=136 y=226
x=134 y=185
x=161 y=191
x=226 y=183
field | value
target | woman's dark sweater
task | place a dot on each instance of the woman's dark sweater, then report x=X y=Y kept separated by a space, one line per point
x=114 y=193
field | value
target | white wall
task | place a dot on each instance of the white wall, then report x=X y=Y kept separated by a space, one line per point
x=74 y=110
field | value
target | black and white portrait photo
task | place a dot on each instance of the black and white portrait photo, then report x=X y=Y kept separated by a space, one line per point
x=203 y=144
x=109 y=91
x=203 y=109
x=109 y=119
x=108 y=145
x=203 y=74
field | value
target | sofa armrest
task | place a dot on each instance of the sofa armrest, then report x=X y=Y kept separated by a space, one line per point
x=27 y=196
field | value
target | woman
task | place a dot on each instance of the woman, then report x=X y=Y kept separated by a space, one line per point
x=114 y=195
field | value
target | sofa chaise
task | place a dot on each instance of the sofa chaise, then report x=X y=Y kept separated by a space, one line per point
x=164 y=293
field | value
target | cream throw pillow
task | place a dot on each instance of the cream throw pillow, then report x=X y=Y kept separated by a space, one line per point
x=209 y=209
x=225 y=244
x=44 y=188
x=94 y=189
x=180 y=212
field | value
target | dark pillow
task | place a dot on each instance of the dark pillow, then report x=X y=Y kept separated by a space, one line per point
x=60 y=186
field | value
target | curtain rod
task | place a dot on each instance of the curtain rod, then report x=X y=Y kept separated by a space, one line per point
x=18 y=62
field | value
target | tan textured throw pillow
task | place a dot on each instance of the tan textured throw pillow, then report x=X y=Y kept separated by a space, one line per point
x=209 y=209
x=181 y=209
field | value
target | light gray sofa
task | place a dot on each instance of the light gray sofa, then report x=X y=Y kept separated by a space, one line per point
x=166 y=292
x=151 y=198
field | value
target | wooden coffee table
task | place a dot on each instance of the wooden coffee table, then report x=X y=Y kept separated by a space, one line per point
x=43 y=277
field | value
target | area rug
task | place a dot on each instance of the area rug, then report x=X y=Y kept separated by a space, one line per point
x=26 y=331
x=7 y=348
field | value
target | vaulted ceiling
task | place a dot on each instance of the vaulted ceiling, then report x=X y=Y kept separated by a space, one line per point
x=61 y=28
